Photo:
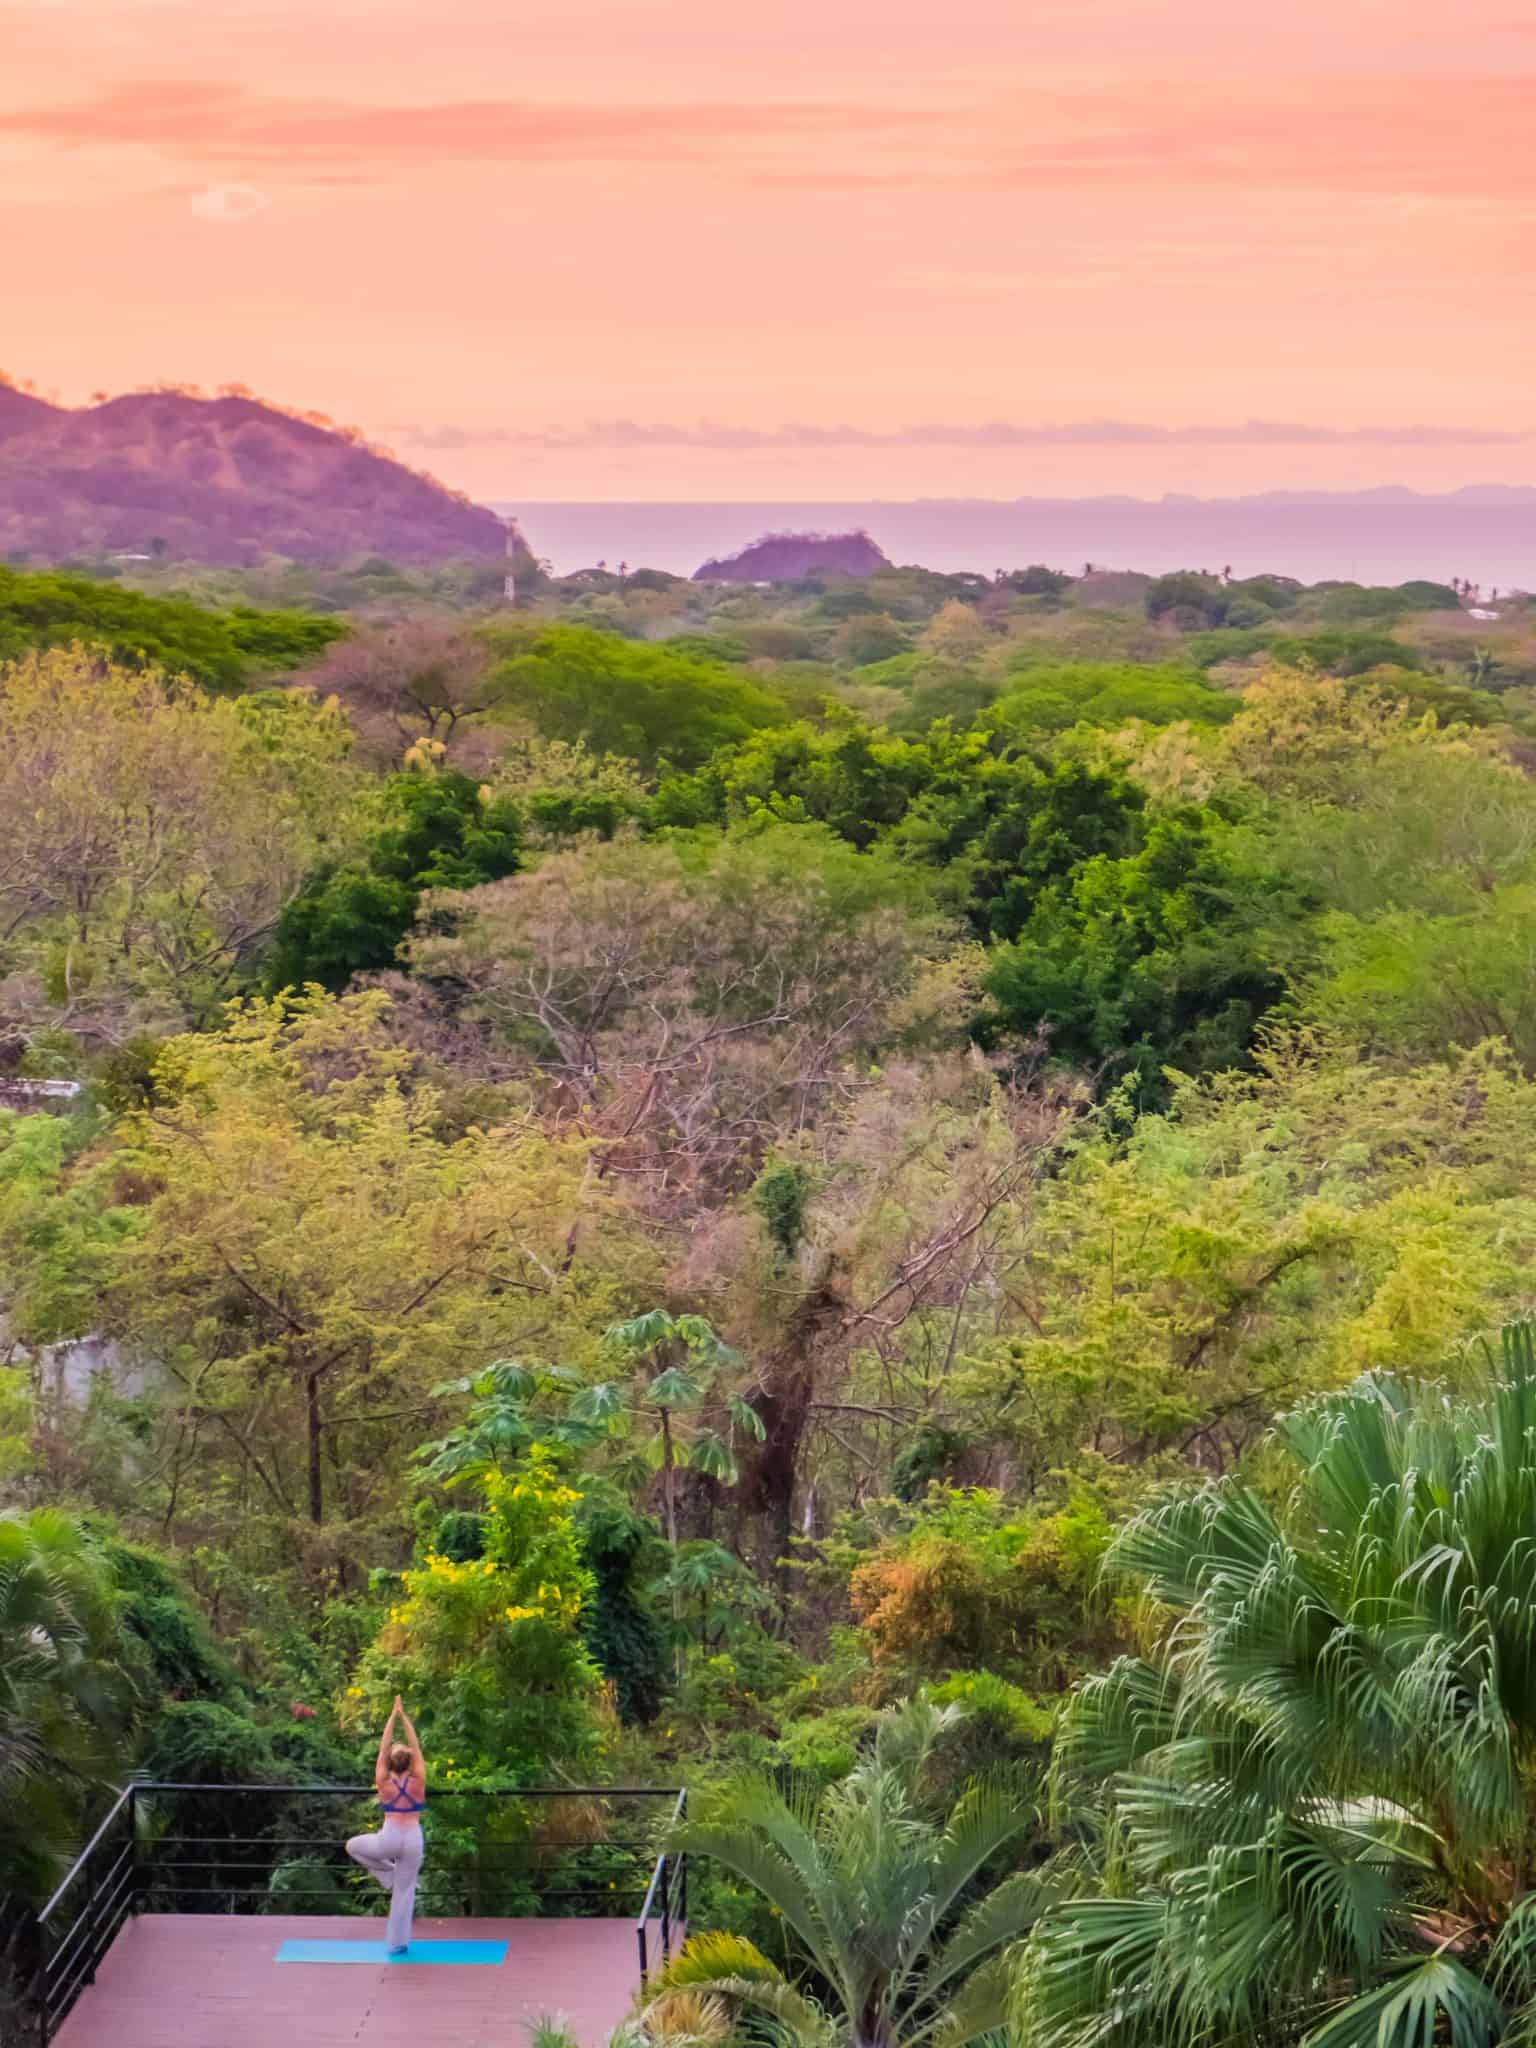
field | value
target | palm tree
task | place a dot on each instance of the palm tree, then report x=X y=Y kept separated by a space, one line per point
x=62 y=1691
x=880 y=1894
x=1314 y=1799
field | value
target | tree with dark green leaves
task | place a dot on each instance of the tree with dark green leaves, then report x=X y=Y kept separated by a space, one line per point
x=851 y=777
x=1154 y=959
x=1037 y=835
x=999 y=821
x=618 y=1627
x=167 y=1637
x=282 y=641
x=436 y=831
x=1189 y=597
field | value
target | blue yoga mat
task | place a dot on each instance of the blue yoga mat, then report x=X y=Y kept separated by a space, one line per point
x=484 y=1953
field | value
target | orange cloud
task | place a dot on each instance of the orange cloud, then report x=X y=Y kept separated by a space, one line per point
x=224 y=124
x=1370 y=135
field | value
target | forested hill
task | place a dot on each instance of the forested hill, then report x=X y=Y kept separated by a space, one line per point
x=216 y=480
x=787 y=557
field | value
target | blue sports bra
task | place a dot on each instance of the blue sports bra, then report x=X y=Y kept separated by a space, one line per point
x=402 y=1801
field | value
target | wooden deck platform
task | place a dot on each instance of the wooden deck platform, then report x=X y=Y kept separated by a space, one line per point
x=199 y=1980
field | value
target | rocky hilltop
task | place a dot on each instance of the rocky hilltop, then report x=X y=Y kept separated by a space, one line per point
x=787 y=557
x=217 y=480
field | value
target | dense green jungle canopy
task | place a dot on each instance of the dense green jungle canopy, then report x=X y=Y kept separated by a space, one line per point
x=890 y=1199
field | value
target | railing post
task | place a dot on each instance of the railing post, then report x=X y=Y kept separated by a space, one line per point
x=44 y=2013
x=93 y=1908
x=134 y=1875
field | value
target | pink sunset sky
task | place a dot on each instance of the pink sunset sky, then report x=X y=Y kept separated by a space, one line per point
x=812 y=249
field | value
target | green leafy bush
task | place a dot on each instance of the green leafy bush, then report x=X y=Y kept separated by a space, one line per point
x=435 y=831
x=201 y=1742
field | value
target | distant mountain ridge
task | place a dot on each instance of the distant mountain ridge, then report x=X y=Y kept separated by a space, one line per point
x=1368 y=495
x=216 y=480
x=1378 y=494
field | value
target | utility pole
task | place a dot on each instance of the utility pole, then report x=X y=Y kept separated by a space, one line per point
x=509 y=582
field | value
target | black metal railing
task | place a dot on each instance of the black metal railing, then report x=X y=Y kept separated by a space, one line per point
x=575 y=1852
x=81 y=1921
x=664 y=1914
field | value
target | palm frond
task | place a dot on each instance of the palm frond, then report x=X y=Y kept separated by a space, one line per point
x=980 y=2008
x=756 y=1855
x=1411 y=2008
x=994 y=1922
x=1095 y=1972
x=730 y=1969
x=991 y=1813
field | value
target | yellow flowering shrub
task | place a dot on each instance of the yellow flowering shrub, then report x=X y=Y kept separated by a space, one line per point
x=488 y=1650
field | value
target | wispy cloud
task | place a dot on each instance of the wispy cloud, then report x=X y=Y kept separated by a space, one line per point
x=211 y=122
x=1348 y=133
x=990 y=434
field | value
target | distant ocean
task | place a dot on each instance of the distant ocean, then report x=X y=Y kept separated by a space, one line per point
x=1487 y=536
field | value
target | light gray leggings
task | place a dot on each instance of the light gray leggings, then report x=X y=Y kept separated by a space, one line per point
x=394 y=1857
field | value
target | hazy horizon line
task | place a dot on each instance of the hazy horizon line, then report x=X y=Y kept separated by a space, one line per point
x=1088 y=433
x=1498 y=493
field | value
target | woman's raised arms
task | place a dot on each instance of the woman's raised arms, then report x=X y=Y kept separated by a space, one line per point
x=418 y=1766
x=381 y=1766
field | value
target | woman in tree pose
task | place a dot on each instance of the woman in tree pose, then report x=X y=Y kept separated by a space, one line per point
x=394 y=1853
